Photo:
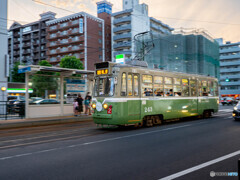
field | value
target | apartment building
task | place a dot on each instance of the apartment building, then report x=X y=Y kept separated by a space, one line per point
x=128 y=23
x=80 y=35
x=104 y=11
x=27 y=43
x=229 y=68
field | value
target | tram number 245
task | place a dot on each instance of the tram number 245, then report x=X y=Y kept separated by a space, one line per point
x=147 y=109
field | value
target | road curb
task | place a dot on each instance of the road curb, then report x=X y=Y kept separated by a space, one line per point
x=31 y=123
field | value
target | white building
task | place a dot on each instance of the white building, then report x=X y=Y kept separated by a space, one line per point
x=229 y=68
x=3 y=52
x=126 y=24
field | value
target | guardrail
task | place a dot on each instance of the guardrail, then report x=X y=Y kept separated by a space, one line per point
x=9 y=110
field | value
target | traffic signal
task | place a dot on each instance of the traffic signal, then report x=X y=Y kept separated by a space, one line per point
x=227 y=80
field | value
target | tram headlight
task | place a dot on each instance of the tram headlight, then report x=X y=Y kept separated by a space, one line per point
x=105 y=106
x=94 y=106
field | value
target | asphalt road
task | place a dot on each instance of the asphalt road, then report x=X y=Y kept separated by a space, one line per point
x=183 y=150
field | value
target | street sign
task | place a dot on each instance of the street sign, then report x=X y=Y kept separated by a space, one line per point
x=120 y=59
x=23 y=70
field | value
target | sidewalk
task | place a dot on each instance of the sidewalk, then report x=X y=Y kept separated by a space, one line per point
x=17 y=123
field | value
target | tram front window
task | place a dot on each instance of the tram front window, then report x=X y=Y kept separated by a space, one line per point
x=105 y=86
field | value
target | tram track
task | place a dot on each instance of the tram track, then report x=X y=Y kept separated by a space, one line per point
x=40 y=135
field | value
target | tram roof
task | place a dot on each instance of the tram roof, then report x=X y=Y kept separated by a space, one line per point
x=159 y=70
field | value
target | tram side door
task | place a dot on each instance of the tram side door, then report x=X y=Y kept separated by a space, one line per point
x=134 y=100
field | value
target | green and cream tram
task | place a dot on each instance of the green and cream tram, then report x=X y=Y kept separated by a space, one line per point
x=125 y=94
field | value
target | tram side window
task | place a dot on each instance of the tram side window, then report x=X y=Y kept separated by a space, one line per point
x=177 y=87
x=147 y=86
x=215 y=87
x=204 y=88
x=185 y=87
x=130 y=85
x=210 y=86
x=199 y=88
x=193 y=87
x=124 y=85
x=158 y=86
x=168 y=87
x=136 y=85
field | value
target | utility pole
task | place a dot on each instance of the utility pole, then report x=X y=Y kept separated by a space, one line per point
x=4 y=60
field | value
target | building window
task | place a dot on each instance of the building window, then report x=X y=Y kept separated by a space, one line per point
x=100 y=33
x=100 y=25
x=100 y=57
x=99 y=40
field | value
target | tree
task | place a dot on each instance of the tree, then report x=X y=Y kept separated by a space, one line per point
x=71 y=62
x=44 y=81
x=16 y=77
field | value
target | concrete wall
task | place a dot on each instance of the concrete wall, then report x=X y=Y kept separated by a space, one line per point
x=3 y=49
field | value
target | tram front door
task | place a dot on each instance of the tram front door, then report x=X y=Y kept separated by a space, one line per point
x=134 y=100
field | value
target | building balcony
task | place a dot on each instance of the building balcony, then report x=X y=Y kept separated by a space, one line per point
x=122 y=20
x=74 y=31
x=16 y=41
x=236 y=56
x=230 y=91
x=52 y=36
x=230 y=70
x=230 y=63
x=16 y=46
x=35 y=43
x=26 y=45
x=122 y=36
x=16 y=54
x=122 y=13
x=26 y=38
x=35 y=36
x=122 y=45
x=223 y=77
x=229 y=50
x=27 y=52
x=77 y=39
x=122 y=28
x=235 y=83
x=53 y=44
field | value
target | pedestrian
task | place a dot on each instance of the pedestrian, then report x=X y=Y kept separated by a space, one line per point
x=75 y=107
x=80 y=104
x=87 y=102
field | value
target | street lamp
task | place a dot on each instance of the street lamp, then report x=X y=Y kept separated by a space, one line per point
x=3 y=88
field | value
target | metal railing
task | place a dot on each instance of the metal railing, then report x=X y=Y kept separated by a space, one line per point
x=9 y=110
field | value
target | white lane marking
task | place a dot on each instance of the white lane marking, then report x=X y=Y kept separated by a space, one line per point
x=94 y=142
x=195 y=168
x=225 y=110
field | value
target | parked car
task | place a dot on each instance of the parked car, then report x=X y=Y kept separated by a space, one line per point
x=228 y=101
x=9 y=98
x=46 y=101
x=236 y=112
x=33 y=99
x=19 y=107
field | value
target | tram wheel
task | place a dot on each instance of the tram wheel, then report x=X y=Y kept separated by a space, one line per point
x=149 y=121
x=157 y=120
x=139 y=125
x=206 y=114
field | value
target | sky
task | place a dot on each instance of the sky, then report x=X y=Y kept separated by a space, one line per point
x=220 y=18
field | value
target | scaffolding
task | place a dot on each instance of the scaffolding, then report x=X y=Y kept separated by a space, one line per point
x=192 y=52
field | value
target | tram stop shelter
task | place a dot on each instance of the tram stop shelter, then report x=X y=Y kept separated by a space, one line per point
x=53 y=89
